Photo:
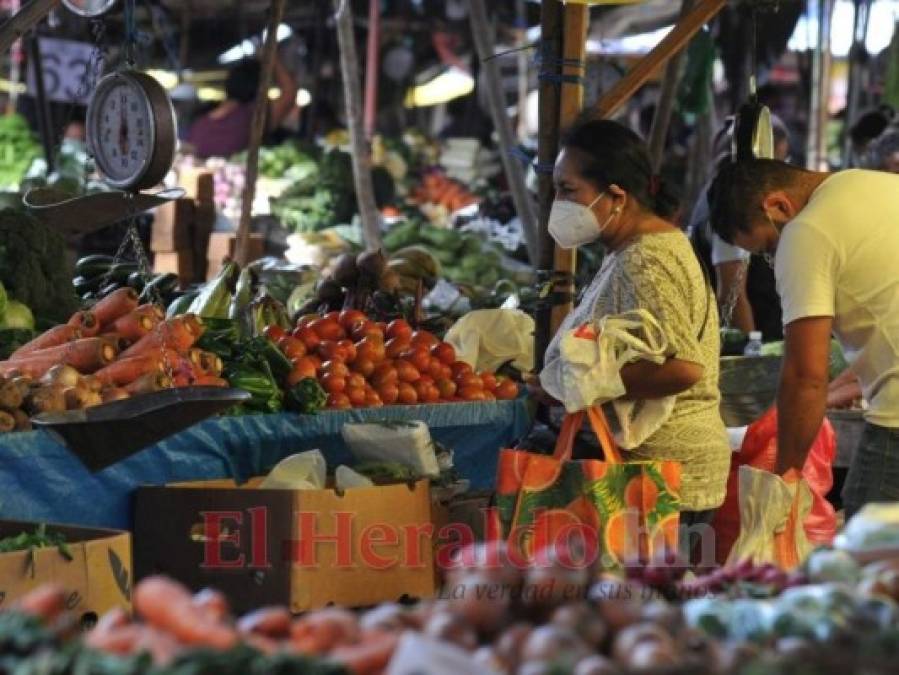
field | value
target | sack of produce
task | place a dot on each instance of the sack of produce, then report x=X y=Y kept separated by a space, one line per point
x=303 y=471
x=634 y=508
x=407 y=443
x=759 y=450
x=772 y=511
x=487 y=338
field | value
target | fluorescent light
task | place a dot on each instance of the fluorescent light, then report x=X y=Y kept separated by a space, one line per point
x=8 y=87
x=211 y=94
x=274 y=94
x=167 y=79
x=880 y=28
x=250 y=47
x=304 y=98
x=450 y=84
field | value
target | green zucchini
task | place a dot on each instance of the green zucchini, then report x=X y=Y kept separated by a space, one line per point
x=92 y=265
x=163 y=285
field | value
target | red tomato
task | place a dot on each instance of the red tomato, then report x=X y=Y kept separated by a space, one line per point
x=308 y=337
x=388 y=393
x=350 y=317
x=356 y=396
x=339 y=402
x=423 y=338
x=406 y=372
x=333 y=384
x=472 y=394
x=460 y=367
x=447 y=388
x=469 y=380
x=421 y=390
x=447 y=373
x=306 y=319
x=371 y=348
x=349 y=348
x=489 y=396
x=396 y=346
x=332 y=351
x=445 y=352
x=326 y=329
x=292 y=348
x=338 y=368
x=399 y=328
x=435 y=369
x=373 y=400
x=366 y=329
x=384 y=373
x=419 y=357
x=355 y=381
x=304 y=367
x=407 y=394
x=298 y=374
x=489 y=380
x=507 y=390
x=364 y=367
x=333 y=316
x=313 y=358
x=432 y=394
x=274 y=333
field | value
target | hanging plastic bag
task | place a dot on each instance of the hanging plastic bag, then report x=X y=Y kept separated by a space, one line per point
x=759 y=450
x=587 y=372
x=487 y=338
x=772 y=511
x=304 y=471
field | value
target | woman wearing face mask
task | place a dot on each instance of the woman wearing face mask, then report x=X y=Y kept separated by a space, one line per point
x=606 y=190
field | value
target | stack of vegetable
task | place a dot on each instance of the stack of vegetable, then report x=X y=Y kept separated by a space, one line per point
x=178 y=634
x=365 y=282
x=438 y=190
x=101 y=275
x=117 y=349
x=361 y=363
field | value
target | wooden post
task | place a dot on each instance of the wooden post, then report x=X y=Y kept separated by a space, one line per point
x=371 y=67
x=574 y=49
x=549 y=93
x=521 y=30
x=482 y=33
x=257 y=131
x=23 y=21
x=662 y=119
x=673 y=43
x=352 y=94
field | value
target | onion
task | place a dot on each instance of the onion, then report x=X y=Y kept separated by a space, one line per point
x=628 y=639
x=452 y=628
x=62 y=374
x=650 y=657
x=554 y=644
x=510 y=643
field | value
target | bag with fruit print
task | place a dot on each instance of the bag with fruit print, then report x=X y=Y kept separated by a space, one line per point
x=621 y=511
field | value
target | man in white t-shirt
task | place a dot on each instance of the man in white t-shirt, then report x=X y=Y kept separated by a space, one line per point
x=836 y=239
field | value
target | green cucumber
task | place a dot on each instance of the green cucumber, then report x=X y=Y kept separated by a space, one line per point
x=93 y=265
x=86 y=285
x=163 y=285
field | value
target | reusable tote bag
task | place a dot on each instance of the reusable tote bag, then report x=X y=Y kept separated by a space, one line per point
x=632 y=508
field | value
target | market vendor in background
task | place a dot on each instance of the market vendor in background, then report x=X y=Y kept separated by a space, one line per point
x=226 y=130
x=836 y=238
x=749 y=294
x=606 y=190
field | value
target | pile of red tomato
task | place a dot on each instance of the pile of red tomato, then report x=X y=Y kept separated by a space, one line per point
x=361 y=363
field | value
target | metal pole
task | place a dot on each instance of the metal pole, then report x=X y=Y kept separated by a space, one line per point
x=818 y=114
x=521 y=19
x=853 y=95
x=372 y=66
x=43 y=106
x=23 y=21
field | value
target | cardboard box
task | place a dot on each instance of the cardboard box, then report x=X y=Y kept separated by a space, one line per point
x=223 y=246
x=198 y=183
x=173 y=226
x=272 y=546
x=176 y=262
x=98 y=577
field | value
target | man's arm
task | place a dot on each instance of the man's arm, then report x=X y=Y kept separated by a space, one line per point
x=802 y=395
x=731 y=274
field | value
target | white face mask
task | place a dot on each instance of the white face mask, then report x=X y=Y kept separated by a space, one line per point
x=572 y=224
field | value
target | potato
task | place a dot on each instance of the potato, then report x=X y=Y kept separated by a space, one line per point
x=452 y=628
x=630 y=637
x=554 y=644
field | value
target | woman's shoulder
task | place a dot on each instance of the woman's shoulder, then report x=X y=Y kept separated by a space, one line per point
x=664 y=248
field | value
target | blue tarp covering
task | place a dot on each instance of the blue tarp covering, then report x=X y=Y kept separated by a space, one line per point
x=41 y=480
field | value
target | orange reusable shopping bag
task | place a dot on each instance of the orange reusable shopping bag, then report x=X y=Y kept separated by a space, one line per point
x=631 y=508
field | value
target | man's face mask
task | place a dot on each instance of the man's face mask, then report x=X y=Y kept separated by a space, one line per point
x=572 y=224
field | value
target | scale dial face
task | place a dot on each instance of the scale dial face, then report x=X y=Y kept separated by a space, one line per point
x=131 y=130
x=89 y=8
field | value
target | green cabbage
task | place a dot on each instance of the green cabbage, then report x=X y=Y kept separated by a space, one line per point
x=17 y=315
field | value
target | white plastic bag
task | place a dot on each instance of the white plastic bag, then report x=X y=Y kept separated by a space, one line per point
x=408 y=443
x=304 y=471
x=767 y=519
x=587 y=371
x=487 y=338
x=417 y=654
x=345 y=479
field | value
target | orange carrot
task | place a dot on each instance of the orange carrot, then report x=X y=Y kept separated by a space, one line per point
x=177 y=334
x=87 y=322
x=134 y=325
x=54 y=337
x=115 y=305
x=155 y=312
x=370 y=656
x=117 y=341
x=86 y=356
x=126 y=371
x=211 y=381
x=149 y=383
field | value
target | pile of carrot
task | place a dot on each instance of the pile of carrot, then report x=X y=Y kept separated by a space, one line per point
x=436 y=188
x=122 y=348
x=170 y=622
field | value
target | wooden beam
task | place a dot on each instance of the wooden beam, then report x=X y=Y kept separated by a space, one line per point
x=549 y=94
x=673 y=43
x=23 y=21
x=574 y=49
x=257 y=131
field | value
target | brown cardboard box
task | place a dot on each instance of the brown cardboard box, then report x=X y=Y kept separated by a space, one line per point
x=198 y=183
x=274 y=529
x=176 y=262
x=222 y=246
x=98 y=578
x=173 y=226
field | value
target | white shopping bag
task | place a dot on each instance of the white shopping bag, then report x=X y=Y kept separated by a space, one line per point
x=487 y=338
x=771 y=515
x=587 y=372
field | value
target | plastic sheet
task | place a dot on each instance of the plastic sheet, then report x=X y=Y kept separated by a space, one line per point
x=42 y=480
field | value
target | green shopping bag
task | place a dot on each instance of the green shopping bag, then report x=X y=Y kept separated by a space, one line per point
x=623 y=511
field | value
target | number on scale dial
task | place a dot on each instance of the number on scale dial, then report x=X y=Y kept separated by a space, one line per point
x=131 y=130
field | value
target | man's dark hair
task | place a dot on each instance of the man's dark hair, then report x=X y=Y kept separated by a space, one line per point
x=871 y=124
x=736 y=193
x=243 y=81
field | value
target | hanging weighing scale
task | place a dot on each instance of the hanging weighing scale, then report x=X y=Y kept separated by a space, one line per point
x=132 y=135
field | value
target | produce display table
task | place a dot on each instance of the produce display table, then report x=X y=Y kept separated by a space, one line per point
x=41 y=480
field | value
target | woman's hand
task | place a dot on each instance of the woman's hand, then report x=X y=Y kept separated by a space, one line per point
x=536 y=391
